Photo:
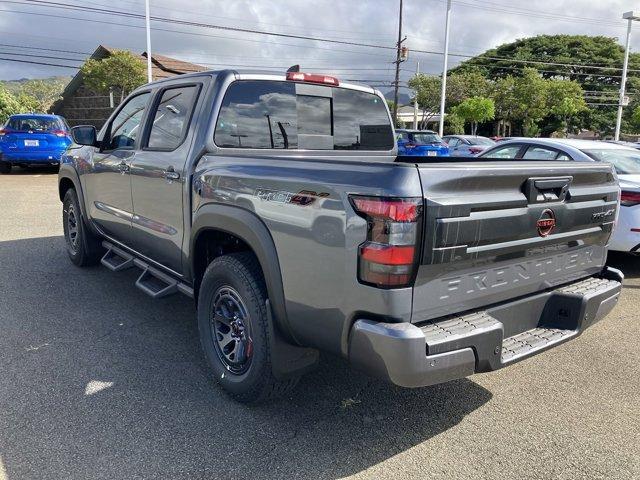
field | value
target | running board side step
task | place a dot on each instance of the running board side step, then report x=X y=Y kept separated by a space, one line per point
x=115 y=259
x=151 y=281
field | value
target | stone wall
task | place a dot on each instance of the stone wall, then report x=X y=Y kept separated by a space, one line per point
x=86 y=107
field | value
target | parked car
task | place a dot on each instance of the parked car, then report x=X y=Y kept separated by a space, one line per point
x=467 y=145
x=31 y=139
x=423 y=143
x=635 y=145
x=626 y=236
x=212 y=188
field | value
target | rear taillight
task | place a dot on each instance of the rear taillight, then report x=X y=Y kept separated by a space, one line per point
x=312 y=78
x=389 y=257
x=629 y=199
x=3 y=132
x=475 y=149
x=59 y=133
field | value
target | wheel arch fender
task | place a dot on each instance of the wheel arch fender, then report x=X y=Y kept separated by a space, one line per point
x=68 y=178
x=249 y=228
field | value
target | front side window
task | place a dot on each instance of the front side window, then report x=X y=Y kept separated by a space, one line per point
x=270 y=114
x=125 y=127
x=171 y=119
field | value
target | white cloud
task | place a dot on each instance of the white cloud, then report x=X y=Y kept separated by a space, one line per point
x=473 y=31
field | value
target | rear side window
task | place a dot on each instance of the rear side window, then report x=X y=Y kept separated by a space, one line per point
x=270 y=114
x=171 y=118
x=540 y=153
x=508 y=151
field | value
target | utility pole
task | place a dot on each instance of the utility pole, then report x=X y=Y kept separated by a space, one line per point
x=443 y=92
x=396 y=84
x=415 y=101
x=621 y=101
x=148 y=28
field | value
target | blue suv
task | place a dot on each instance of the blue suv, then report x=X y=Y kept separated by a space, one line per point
x=33 y=139
x=423 y=143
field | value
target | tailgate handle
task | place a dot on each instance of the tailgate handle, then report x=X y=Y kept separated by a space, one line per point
x=541 y=190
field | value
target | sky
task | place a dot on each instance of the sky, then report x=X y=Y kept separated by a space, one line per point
x=27 y=29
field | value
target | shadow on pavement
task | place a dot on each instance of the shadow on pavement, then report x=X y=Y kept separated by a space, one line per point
x=628 y=263
x=32 y=171
x=100 y=381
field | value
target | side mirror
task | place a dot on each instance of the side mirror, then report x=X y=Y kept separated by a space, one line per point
x=85 y=135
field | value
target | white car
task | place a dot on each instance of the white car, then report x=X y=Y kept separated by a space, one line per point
x=626 y=235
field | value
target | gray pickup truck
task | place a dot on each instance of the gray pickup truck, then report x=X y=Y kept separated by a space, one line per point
x=277 y=202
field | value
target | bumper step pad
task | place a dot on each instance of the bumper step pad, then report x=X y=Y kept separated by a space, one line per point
x=485 y=334
x=532 y=341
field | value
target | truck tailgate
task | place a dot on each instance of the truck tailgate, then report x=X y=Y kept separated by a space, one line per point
x=496 y=230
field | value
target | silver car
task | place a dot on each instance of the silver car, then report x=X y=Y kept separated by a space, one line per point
x=626 y=236
x=467 y=145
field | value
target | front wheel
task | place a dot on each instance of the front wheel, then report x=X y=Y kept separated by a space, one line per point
x=82 y=246
x=234 y=329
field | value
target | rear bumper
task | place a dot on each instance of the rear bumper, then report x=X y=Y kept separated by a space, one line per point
x=415 y=355
x=48 y=157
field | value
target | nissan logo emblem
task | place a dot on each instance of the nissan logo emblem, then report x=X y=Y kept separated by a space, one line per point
x=546 y=223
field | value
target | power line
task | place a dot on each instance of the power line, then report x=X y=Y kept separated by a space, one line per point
x=53 y=4
x=502 y=8
x=197 y=34
x=68 y=6
x=38 y=63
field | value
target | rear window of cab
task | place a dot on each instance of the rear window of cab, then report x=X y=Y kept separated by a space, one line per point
x=272 y=114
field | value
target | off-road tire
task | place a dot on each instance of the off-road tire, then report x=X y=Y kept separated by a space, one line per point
x=242 y=273
x=86 y=250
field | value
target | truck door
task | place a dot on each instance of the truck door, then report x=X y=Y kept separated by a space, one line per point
x=158 y=177
x=107 y=181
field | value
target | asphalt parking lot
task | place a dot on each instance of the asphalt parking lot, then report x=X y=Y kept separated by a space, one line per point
x=97 y=381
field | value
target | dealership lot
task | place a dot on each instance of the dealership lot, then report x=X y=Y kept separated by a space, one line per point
x=99 y=381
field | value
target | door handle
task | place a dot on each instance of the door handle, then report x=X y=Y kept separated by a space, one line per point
x=170 y=174
x=123 y=167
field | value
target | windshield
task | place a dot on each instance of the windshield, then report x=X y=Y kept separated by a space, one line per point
x=36 y=124
x=480 y=141
x=624 y=161
x=425 y=138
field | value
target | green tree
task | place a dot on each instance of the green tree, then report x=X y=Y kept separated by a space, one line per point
x=122 y=71
x=464 y=85
x=565 y=100
x=460 y=87
x=475 y=110
x=453 y=124
x=427 y=90
x=567 y=57
x=9 y=104
x=42 y=93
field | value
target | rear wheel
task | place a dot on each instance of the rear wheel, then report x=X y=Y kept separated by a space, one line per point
x=234 y=329
x=82 y=246
x=5 y=168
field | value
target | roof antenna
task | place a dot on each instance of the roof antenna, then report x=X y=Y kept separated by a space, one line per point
x=293 y=68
